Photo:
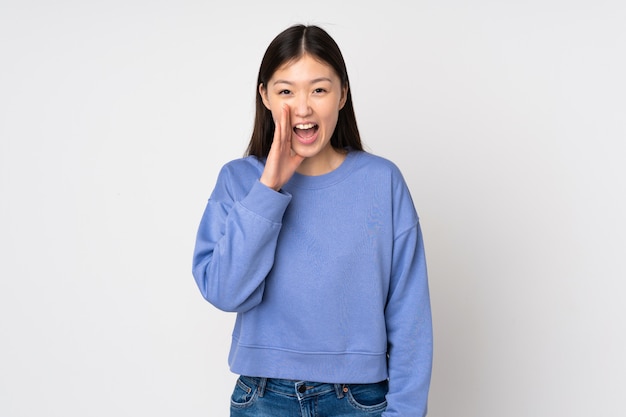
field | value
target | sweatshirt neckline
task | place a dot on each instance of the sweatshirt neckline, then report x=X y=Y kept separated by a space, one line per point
x=328 y=179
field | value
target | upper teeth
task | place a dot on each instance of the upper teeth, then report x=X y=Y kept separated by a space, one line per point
x=305 y=126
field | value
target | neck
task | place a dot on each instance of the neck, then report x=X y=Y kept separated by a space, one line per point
x=319 y=165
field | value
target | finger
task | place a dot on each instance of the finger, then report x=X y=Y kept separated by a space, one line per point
x=286 y=124
x=277 y=130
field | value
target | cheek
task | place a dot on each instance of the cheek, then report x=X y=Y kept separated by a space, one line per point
x=332 y=116
x=275 y=107
x=276 y=114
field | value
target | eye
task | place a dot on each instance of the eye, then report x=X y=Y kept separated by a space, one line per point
x=319 y=90
x=284 y=92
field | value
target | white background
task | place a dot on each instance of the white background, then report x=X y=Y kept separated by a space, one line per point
x=506 y=117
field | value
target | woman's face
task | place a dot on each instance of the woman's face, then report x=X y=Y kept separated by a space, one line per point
x=314 y=95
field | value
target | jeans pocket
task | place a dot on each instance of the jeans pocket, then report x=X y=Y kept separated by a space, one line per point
x=368 y=397
x=245 y=392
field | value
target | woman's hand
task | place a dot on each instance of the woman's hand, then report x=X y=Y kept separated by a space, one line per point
x=282 y=161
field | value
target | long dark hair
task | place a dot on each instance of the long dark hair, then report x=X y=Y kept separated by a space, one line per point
x=289 y=45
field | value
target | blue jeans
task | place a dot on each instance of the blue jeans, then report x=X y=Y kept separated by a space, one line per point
x=264 y=397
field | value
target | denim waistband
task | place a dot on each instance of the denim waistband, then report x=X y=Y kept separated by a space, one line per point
x=294 y=388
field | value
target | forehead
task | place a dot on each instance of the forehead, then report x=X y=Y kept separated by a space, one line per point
x=306 y=67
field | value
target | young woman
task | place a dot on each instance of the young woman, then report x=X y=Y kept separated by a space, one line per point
x=316 y=245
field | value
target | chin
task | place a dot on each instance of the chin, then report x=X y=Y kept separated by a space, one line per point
x=306 y=152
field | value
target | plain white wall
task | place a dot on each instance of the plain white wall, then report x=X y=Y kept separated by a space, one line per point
x=506 y=117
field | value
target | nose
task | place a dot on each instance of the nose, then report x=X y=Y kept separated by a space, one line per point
x=302 y=106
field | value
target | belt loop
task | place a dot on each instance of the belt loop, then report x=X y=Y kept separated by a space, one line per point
x=262 y=384
x=340 y=389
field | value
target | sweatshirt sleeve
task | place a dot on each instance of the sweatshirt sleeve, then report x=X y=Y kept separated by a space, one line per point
x=409 y=328
x=236 y=241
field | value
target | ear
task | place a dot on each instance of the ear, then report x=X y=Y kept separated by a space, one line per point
x=264 y=97
x=344 y=97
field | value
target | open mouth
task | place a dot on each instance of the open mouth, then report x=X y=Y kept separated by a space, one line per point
x=305 y=130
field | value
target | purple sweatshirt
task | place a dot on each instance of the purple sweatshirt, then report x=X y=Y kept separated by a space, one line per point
x=328 y=277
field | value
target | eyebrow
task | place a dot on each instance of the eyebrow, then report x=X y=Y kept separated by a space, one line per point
x=316 y=80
